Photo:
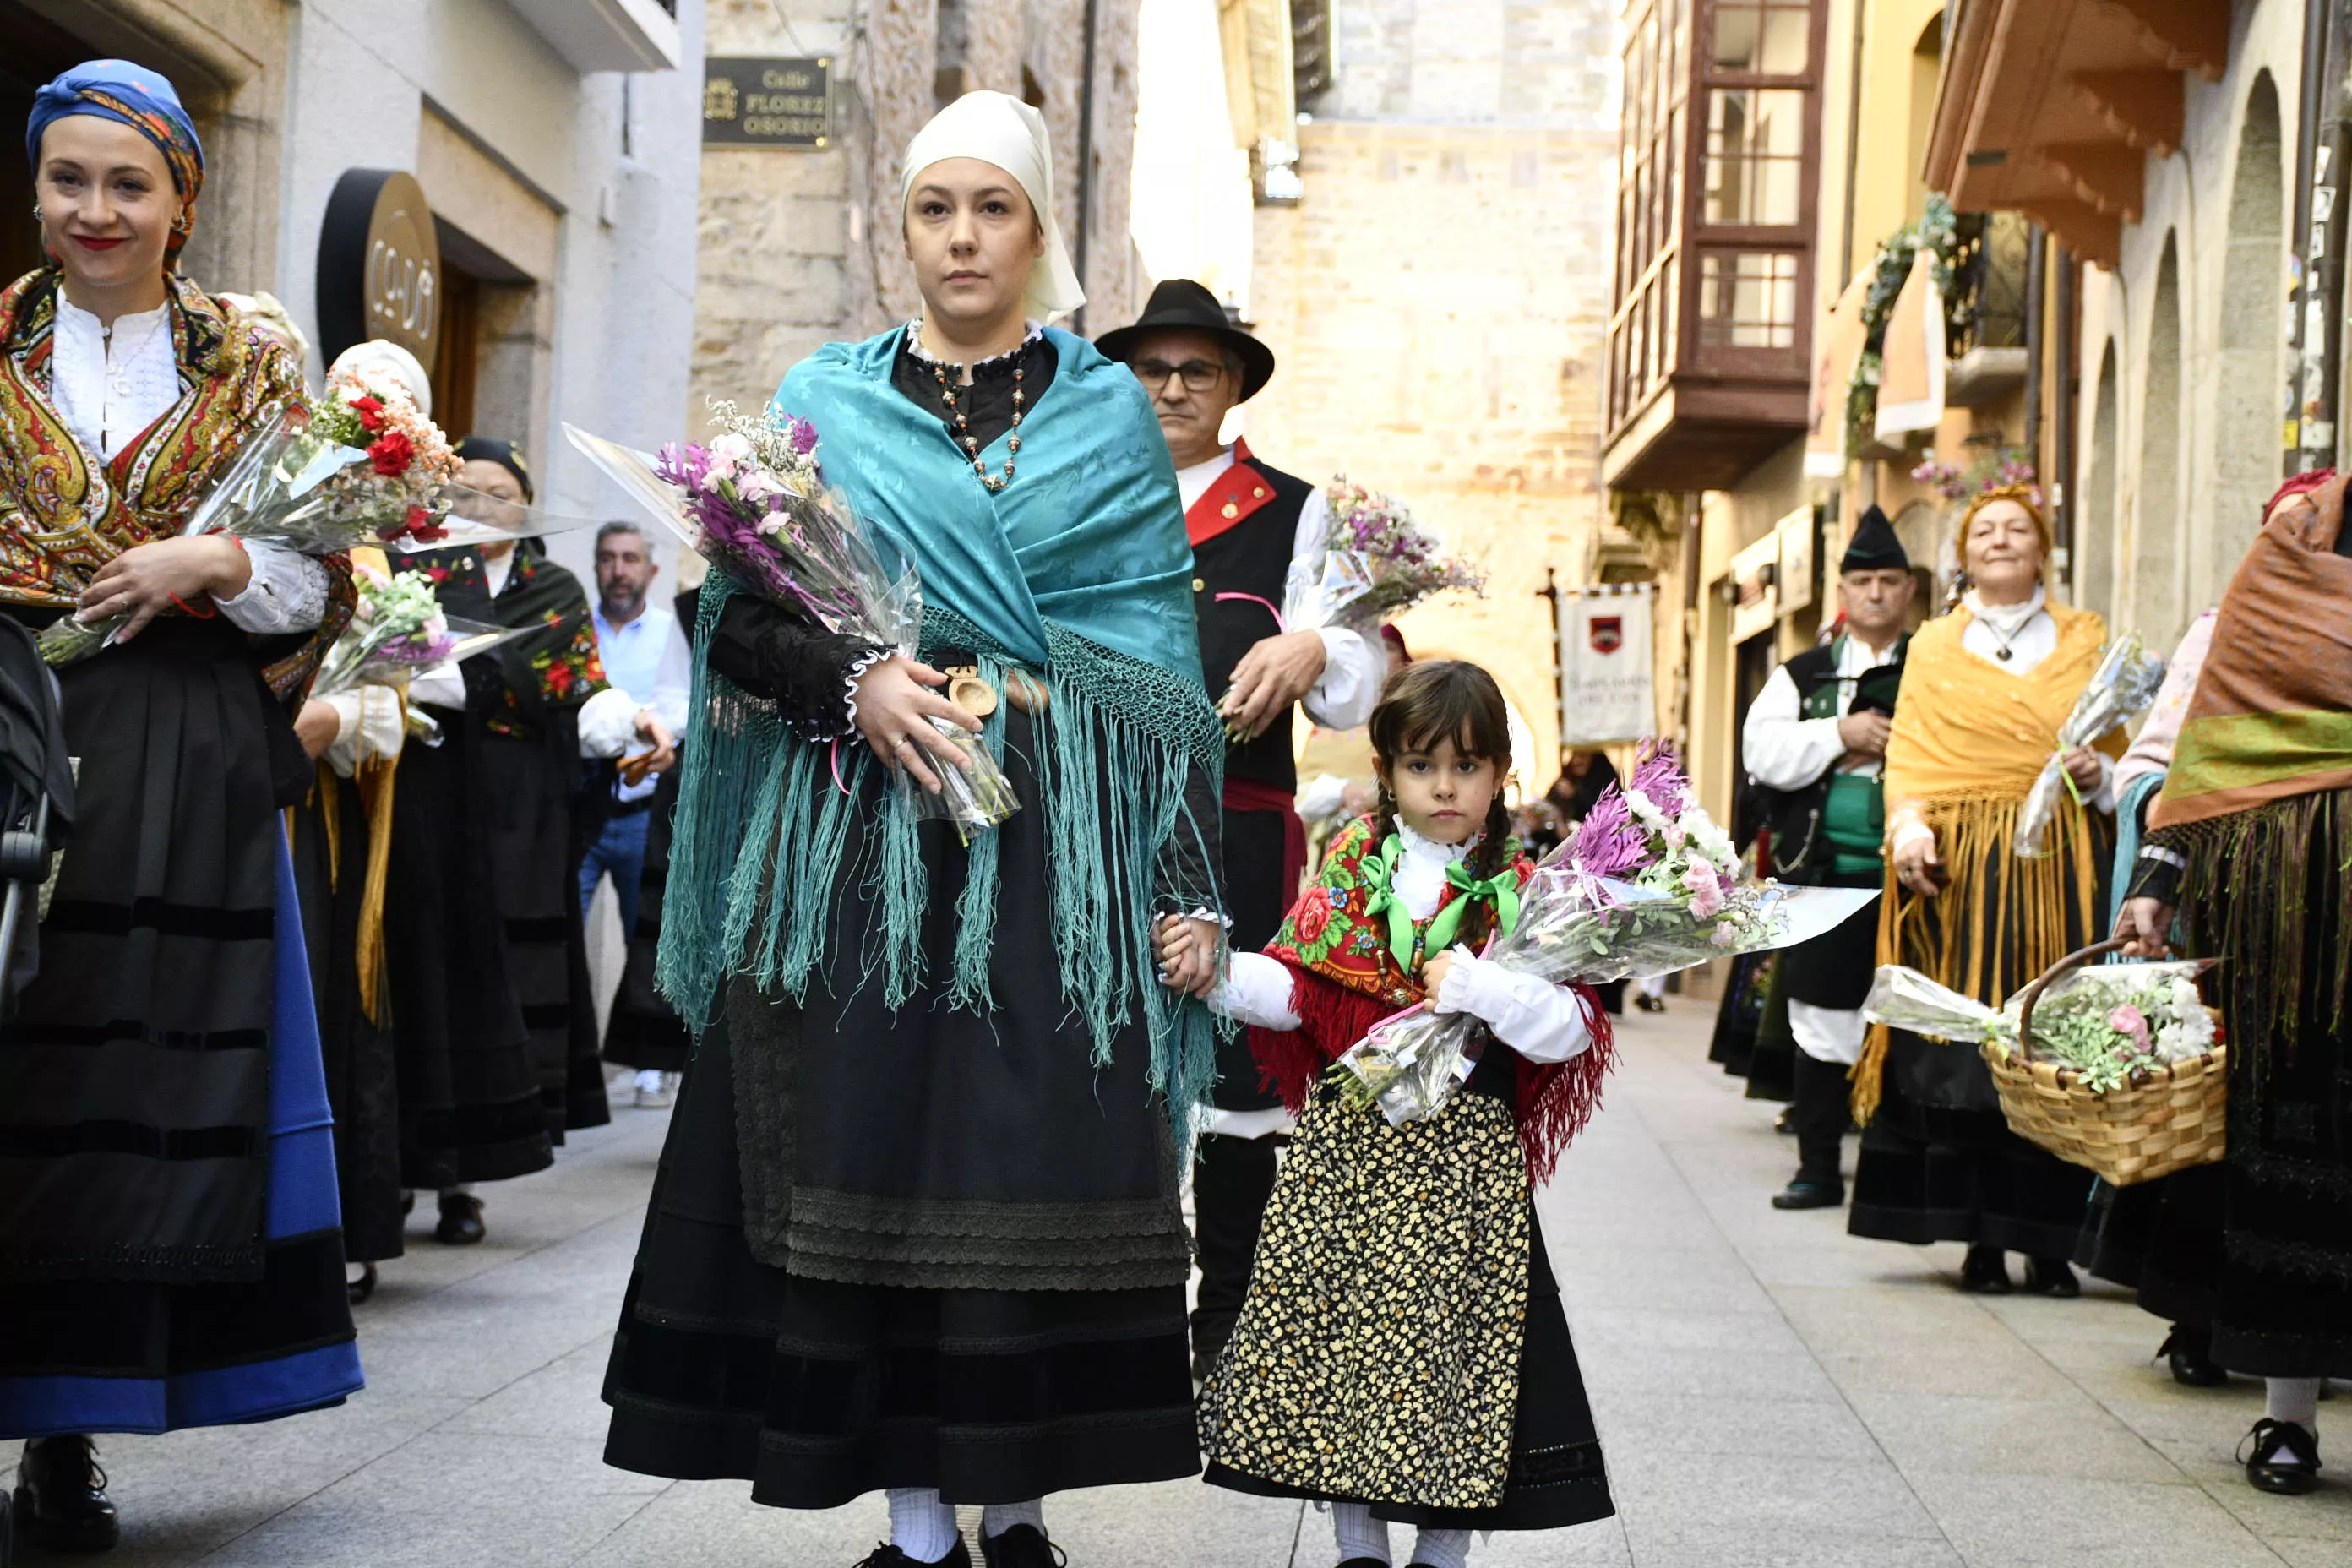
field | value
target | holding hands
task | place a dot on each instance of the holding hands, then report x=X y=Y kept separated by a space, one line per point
x=1188 y=955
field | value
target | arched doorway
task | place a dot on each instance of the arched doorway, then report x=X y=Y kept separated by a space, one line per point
x=2154 y=570
x=2101 y=545
x=2253 y=300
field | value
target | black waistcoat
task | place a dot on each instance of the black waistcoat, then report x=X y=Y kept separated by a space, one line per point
x=1250 y=557
x=1799 y=853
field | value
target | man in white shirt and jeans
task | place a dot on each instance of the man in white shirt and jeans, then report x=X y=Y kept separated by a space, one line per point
x=645 y=655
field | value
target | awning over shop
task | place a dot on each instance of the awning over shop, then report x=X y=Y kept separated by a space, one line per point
x=1911 y=372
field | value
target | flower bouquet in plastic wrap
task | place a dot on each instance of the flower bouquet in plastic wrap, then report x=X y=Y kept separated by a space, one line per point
x=2125 y=683
x=364 y=467
x=753 y=502
x=1647 y=886
x=2111 y=1025
x=397 y=632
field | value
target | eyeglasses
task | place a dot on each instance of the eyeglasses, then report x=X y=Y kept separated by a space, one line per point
x=1198 y=374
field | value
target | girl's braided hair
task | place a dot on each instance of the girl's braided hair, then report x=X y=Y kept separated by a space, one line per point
x=1448 y=699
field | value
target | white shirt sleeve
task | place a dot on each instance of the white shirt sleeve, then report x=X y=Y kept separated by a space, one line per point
x=608 y=723
x=442 y=686
x=1320 y=798
x=1343 y=697
x=1258 y=990
x=288 y=592
x=1783 y=750
x=1542 y=1021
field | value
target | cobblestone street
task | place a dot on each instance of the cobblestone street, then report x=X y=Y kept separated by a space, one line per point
x=1769 y=1390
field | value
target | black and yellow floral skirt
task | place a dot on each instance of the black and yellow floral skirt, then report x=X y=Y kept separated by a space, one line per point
x=1403 y=1344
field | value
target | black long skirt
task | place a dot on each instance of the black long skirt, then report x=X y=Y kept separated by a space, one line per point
x=470 y=1106
x=2161 y=1240
x=818 y=1390
x=534 y=875
x=1733 y=1047
x=363 y=1065
x=645 y=1031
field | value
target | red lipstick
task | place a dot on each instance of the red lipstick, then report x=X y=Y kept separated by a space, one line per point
x=88 y=242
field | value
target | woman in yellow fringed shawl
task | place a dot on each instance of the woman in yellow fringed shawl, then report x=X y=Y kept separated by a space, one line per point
x=1984 y=692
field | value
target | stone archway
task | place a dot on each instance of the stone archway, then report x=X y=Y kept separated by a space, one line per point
x=2154 y=573
x=2100 y=543
x=2254 y=302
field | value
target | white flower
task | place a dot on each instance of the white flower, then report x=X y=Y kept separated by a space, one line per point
x=1710 y=840
x=1645 y=812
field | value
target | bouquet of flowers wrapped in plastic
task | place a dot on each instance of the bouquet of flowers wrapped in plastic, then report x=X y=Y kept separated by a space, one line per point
x=2125 y=683
x=2110 y=1024
x=397 y=631
x=1649 y=885
x=754 y=503
x=1376 y=563
x=364 y=467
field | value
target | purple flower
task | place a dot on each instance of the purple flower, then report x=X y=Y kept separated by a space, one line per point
x=801 y=435
x=1609 y=842
x=686 y=463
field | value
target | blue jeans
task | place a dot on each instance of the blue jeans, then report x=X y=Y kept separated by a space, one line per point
x=620 y=848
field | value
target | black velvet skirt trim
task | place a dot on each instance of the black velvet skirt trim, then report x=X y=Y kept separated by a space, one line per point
x=645 y=1031
x=1557 y=1475
x=1930 y=1173
x=2162 y=1241
x=135 y=1073
x=817 y=1391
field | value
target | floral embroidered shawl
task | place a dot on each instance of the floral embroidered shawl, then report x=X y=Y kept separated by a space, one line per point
x=1336 y=943
x=64 y=514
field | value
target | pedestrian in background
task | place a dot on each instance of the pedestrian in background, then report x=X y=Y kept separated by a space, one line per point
x=1250 y=525
x=1985 y=689
x=644 y=656
x=1814 y=740
x=169 y=1248
x=2250 y=844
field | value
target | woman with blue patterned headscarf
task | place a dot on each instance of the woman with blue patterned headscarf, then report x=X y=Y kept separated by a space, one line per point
x=169 y=1249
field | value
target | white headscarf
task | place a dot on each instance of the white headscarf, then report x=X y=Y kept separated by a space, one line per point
x=999 y=129
x=389 y=358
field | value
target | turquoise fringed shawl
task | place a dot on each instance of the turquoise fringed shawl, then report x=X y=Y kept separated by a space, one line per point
x=1080 y=572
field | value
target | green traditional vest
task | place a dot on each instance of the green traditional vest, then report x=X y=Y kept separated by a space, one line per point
x=1837 y=825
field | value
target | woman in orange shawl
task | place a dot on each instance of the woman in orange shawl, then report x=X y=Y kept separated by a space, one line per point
x=1984 y=692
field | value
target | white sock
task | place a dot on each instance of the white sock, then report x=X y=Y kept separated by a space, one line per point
x=999 y=1517
x=2295 y=1399
x=649 y=1082
x=921 y=1526
x=1441 y=1549
x=1357 y=1532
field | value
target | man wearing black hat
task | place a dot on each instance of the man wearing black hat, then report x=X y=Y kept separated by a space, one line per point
x=1248 y=521
x=1813 y=740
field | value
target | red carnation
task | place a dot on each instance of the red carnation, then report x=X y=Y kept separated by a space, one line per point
x=420 y=527
x=1314 y=915
x=393 y=454
x=371 y=413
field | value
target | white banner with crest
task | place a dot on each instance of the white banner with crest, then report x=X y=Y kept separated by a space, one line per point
x=1607 y=669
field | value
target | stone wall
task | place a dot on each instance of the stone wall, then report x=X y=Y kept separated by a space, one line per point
x=1439 y=299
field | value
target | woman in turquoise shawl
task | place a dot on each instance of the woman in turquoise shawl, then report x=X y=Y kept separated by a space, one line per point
x=917 y=1226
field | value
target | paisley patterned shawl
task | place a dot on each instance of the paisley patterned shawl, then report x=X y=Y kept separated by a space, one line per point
x=1336 y=942
x=64 y=514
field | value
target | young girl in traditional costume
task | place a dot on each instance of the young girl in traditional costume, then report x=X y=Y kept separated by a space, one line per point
x=170 y=1254
x=918 y=1227
x=1403 y=1354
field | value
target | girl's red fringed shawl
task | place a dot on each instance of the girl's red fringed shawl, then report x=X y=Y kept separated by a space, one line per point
x=1346 y=981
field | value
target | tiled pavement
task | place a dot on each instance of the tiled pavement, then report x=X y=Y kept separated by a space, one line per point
x=1771 y=1393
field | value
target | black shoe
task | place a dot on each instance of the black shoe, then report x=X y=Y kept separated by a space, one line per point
x=2285 y=1458
x=1805 y=1193
x=364 y=1287
x=1986 y=1272
x=2052 y=1276
x=1363 y=1563
x=1649 y=1003
x=62 y=1502
x=1023 y=1546
x=461 y=1220
x=888 y=1556
x=2189 y=1353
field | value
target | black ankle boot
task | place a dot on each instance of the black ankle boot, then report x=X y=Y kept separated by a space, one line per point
x=1023 y=1546
x=461 y=1220
x=2189 y=1353
x=62 y=1502
x=2282 y=1458
x=1986 y=1272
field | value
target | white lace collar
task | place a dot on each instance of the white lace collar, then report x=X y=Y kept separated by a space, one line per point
x=1420 y=875
x=2007 y=619
x=915 y=345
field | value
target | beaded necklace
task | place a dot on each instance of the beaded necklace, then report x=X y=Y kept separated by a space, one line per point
x=970 y=443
